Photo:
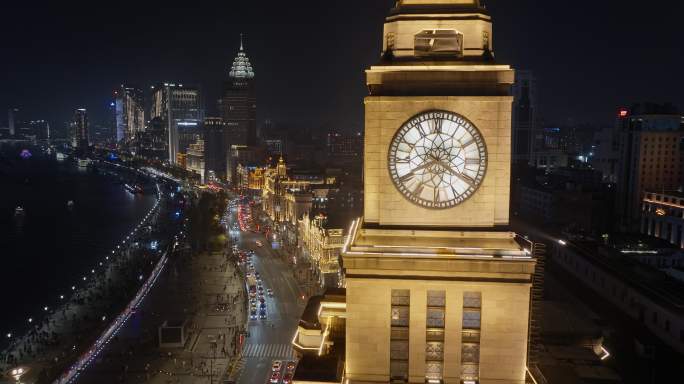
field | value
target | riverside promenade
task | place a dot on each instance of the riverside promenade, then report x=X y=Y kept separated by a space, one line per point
x=205 y=290
x=58 y=338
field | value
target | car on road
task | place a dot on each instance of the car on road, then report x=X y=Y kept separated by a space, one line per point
x=259 y=243
x=262 y=305
x=262 y=314
x=262 y=300
x=270 y=292
x=287 y=378
x=275 y=378
x=277 y=366
x=290 y=366
x=253 y=315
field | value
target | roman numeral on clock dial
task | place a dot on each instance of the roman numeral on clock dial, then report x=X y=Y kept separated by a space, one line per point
x=437 y=159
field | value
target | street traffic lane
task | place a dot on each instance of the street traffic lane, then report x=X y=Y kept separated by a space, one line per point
x=270 y=339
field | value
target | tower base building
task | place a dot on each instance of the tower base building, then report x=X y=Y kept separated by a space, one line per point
x=438 y=289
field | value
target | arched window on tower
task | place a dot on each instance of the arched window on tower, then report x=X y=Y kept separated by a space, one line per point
x=438 y=42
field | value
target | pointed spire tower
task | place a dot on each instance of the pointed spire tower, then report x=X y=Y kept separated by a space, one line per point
x=241 y=68
x=238 y=106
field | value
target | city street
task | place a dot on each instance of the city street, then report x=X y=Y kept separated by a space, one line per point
x=269 y=339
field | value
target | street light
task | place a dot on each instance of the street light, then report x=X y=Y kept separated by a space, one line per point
x=17 y=373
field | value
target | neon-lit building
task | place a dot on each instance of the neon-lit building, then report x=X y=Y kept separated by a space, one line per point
x=179 y=108
x=78 y=135
x=662 y=216
x=130 y=113
x=651 y=158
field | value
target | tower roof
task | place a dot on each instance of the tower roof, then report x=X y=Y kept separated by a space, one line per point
x=430 y=6
x=241 y=68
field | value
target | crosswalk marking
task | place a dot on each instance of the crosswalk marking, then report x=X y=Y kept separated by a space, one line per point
x=283 y=351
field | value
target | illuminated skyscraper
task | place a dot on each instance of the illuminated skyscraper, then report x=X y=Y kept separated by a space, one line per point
x=179 y=107
x=238 y=102
x=78 y=134
x=11 y=120
x=130 y=113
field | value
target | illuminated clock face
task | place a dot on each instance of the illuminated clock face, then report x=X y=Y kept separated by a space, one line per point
x=437 y=159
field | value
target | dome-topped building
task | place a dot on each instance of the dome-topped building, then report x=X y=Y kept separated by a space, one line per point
x=241 y=68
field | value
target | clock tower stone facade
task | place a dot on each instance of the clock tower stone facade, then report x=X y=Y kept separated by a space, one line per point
x=437 y=287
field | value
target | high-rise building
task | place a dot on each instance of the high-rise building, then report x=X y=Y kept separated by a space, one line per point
x=154 y=141
x=651 y=158
x=11 y=120
x=606 y=153
x=195 y=160
x=524 y=116
x=438 y=290
x=238 y=102
x=130 y=113
x=111 y=121
x=40 y=129
x=179 y=107
x=78 y=134
x=215 y=150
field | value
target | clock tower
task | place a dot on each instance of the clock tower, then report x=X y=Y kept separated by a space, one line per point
x=438 y=287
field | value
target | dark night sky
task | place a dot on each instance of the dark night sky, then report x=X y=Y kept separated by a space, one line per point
x=309 y=56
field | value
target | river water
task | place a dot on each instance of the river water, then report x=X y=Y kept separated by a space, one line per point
x=47 y=250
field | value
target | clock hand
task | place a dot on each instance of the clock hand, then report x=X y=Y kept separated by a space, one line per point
x=461 y=176
x=447 y=167
x=421 y=167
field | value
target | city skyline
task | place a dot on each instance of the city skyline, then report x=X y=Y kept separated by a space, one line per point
x=298 y=55
x=387 y=191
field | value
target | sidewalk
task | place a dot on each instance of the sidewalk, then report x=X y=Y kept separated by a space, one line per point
x=202 y=289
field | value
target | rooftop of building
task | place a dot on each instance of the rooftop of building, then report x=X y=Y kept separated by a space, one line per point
x=326 y=365
x=670 y=194
x=319 y=369
x=443 y=241
x=409 y=7
x=617 y=258
x=309 y=318
x=563 y=324
x=335 y=219
x=566 y=370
